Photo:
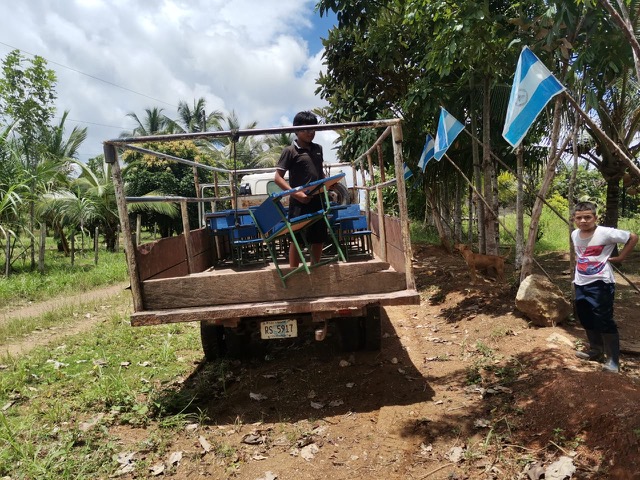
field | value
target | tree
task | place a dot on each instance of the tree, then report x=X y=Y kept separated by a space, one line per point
x=26 y=97
x=153 y=123
x=194 y=119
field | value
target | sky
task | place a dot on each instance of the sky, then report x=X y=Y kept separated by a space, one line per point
x=259 y=58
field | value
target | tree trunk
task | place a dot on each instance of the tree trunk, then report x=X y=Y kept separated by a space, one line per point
x=519 y=207
x=490 y=230
x=610 y=218
x=442 y=233
x=554 y=156
x=457 y=219
x=477 y=174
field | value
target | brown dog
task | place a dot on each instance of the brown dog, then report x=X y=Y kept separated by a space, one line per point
x=478 y=261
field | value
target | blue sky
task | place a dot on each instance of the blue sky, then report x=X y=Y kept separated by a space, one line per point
x=259 y=58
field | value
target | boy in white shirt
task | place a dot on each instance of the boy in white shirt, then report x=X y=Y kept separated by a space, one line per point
x=595 y=284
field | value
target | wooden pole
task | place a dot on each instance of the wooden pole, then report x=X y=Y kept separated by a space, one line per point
x=73 y=248
x=129 y=248
x=396 y=135
x=138 y=228
x=7 y=263
x=187 y=234
x=95 y=246
x=43 y=241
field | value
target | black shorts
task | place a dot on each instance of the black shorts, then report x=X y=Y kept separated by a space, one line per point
x=316 y=232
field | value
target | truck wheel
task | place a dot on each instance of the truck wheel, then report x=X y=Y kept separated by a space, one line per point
x=237 y=345
x=340 y=194
x=349 y=328
x=372 y=326
x=213 y=341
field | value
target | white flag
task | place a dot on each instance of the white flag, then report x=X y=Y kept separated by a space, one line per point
x=533 y=86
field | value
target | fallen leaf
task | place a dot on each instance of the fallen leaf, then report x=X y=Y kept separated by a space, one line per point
x=258 y=457
x=175 y=457
x=257 y=396
x=309 y=452
x=268 y=476
x=253 y=439
x=481 y=423
x=192 y=427
x=157 y=469
x=455 y=454
x=560 y=469
x=317 y=405
x=124 y=458
x=86 y=426
x=206 y=446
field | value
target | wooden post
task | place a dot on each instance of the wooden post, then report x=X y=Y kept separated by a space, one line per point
x=117 y=238
x=129 y=248
x=138 y=228
x=7 y=263
x=187 y=234
x=396 y=134
x=95 y=245
x=43 y=241
x=381 y=226
x=73 y=248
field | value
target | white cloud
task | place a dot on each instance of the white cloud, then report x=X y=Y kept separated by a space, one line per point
x=244 y=55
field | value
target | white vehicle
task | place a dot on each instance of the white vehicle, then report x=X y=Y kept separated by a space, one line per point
x=255 y=187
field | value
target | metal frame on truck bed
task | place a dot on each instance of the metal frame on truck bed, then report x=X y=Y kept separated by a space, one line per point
x=186 y=278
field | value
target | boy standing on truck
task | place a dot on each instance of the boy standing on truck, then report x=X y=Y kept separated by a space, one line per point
x=595 y=284
x=303 y=160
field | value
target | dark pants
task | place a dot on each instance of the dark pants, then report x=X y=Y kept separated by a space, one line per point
x=316 y=232
x=594 y=306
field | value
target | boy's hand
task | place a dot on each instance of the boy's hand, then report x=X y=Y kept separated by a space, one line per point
x=301 y=197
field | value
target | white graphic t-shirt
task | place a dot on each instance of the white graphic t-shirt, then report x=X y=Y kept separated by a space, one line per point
x=592 y=254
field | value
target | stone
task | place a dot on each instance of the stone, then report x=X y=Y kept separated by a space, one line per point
x=542 y=302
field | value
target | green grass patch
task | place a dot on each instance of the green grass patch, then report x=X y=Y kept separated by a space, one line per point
x=117 y=375
x=64 y=315
x=61 y=278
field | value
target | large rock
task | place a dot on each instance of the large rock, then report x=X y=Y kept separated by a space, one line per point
x=542 y=302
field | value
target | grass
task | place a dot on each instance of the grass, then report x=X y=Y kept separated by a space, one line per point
x=553 y=231
x=115 y=376
x=61 y=278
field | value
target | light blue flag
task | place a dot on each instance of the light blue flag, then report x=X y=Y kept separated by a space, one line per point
x=407 y=172
x=448 y=130
x=533 y=86
x=427 y=152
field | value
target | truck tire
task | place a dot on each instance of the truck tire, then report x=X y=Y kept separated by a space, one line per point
x=340 y=194
x=372 y=326
x=350 y=329
x=213 y=341
x=223 y=342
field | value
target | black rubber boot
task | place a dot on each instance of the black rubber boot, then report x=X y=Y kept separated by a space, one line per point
x=612 y=352
x=596 y=347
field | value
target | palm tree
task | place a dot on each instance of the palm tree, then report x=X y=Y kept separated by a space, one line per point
x=56 y=146
x=152 y=124
x=194 y=119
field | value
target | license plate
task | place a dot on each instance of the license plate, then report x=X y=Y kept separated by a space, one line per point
x=278 y=329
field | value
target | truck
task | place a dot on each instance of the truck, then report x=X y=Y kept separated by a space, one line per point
x=190 y=278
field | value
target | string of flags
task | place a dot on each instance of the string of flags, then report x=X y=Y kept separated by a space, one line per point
x=533 y=87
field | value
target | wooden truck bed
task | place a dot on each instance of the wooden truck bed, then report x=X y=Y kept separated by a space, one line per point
x=223 y=294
